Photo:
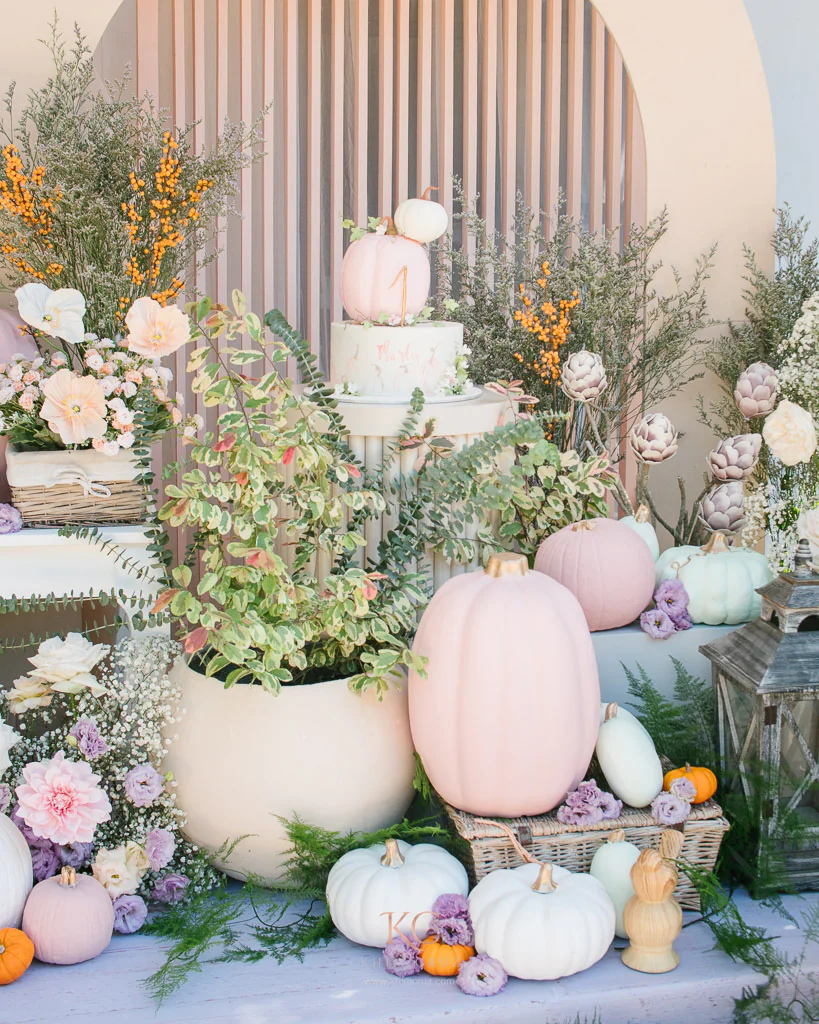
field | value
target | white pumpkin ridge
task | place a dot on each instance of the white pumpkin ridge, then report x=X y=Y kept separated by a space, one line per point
x=16 y=878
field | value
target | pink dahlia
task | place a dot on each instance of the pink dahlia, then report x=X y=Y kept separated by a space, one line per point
x=61 y=801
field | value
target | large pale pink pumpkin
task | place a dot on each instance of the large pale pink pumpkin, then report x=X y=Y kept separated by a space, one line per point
x=507 y=718
x=372 y=277
x=606 y=565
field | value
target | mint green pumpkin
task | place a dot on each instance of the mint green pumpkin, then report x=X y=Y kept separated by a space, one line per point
x=721 y=581
x=641 y=523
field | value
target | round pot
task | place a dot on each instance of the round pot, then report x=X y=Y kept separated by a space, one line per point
x=242 y=756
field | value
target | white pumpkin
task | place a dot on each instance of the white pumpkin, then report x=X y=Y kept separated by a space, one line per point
x=422 y=219
x=541 y=921
x=641 y=523
x=628 y=758
x=16 y=877
x=377 y=890
x=611 y=865
x=721 y=581
x=624 y=713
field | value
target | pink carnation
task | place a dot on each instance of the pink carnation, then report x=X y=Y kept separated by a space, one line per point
x=61 y=801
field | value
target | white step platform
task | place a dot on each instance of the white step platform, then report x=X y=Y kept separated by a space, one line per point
x=346 y=984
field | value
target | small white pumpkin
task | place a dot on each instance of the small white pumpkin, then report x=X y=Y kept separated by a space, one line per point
x=641 y=523
x=16 y=877
x=622 y=713
x=541 y=921
x=422 y=220
x=381 y=889
x=611 y=865
x=628 y=758
x=721 y=581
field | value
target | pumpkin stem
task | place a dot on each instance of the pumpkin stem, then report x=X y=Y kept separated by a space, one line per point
x=68 y=876
x=544 y=881
x=687 y=767
x=584 y=524
x=2 y=949
x=716 y=545
x=642 y=515
x=611 y=712
x=617 y=836
x=507 y=563
x=393 y=858
x=427 y=190
x=391 y=229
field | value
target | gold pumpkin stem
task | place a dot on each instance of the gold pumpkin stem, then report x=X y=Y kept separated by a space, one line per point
x=544 y=881
x=68 y=876
x=391 y=230
x=584 y=524
x=506 y=563
x=643 y=514
x=393 y=858
x=427 y=190
x=617 y=836
x=611 y=712
x=716 y=545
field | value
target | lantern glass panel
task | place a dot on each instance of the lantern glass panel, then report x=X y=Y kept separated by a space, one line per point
x=799 y=791
x=741 y=722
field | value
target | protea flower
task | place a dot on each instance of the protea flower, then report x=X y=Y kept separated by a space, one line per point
x=584 y=376
x=735 y=457
x=654 y=438
x=756 y=390
x=723 y=508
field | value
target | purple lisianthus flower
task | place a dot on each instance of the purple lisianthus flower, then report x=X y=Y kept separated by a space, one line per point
x=34 y=842
x=44 y=862
x=130 y=913
x=610 y=806
x=143 y=785
x=402 y=959
x=682 y=621
x=89 y=742
x=10 y=519
x=588 y=790
x=657 y=624
x=481 y=975
x=451 y=904
x=74 y=855
x=588 y=814
x=159 y=847
x=453 y=931
x=669 y=809
x=5 y=798
x=683 y=788
x=171 y=889
x=672 y=597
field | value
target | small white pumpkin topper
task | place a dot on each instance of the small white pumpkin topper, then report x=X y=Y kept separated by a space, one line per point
x=423 y=220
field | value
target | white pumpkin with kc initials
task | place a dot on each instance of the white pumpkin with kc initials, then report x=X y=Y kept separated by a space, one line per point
x=378 y=890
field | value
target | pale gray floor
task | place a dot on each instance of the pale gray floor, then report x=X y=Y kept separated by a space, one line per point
x=346 y=984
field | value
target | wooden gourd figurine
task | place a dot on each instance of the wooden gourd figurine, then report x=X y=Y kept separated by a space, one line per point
x=652 y=916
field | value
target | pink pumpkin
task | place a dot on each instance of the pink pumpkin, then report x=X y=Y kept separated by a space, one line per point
x=606 y=565
x=373 y=279
x=507 y=718
x=69 y=918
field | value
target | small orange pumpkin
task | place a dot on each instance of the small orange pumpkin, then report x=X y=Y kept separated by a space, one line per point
x=442 y=960
x=703 y=780
x=16 y=954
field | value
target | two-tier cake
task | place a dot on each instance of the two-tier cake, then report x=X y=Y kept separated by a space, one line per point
x=389 y=346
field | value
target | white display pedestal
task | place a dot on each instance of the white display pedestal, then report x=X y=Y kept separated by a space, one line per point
x=39 y=562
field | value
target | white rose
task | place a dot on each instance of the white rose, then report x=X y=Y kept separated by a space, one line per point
x=112 y=870
x=15 y=372
x=8 y=737
x=129 y=389
x=59 y=660
x=790 y=433
x=27 y=693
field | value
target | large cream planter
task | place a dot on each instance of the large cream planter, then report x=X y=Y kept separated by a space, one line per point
x=243 y=756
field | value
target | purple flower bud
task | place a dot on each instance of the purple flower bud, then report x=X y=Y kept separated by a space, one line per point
x=453 y=931
x=401 y=958
x=683 y=788
x=130 y=913
x=580 y=816
x=44 y=862
x=159 y=847
x=657 y=624
x=143 y=785
x=669 y=809
x=74 y=855
x=481 y=975
x=451 y=904
x=682 y=621
x=610 y=806
x=171 y=889
x=89 y=742
x=672 y=597
x=10 y=519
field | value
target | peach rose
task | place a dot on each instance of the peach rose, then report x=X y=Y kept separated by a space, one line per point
x=790 y=433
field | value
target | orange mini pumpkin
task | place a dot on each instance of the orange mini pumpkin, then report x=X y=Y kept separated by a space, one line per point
x=442 y=960
x=16 y=954
x=703 y=780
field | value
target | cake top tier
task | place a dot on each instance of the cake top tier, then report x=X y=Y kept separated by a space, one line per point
x=385 y=274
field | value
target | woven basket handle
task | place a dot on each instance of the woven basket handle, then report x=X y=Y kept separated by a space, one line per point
x=522 y=852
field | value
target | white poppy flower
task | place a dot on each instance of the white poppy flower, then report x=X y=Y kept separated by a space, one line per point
x=56 y=313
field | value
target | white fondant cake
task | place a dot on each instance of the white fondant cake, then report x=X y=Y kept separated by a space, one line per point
x=390 y=362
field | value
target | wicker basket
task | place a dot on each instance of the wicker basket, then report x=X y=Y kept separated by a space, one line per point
x=486 y=848
x=79 y=487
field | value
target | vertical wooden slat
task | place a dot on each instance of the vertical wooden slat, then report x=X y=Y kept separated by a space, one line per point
x=336 y=153
x=574 y=109
x=147 y=20
x=386 y=69
x=509 y=135
x=313 y=199
x=424 y=126
x=551 y=118
x=361 y=37
x=290 y=102
x=222 y=72
x=246 y=100
x=199 y=114
x=446 y=113
x=490 y=113
x=471 y=101
x=614 y=132
x=597 y=58
x=635 y=164
x=402 y=34
x=534 y=73
x=269 y=165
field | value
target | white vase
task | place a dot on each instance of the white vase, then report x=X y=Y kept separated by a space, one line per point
x=242 y=756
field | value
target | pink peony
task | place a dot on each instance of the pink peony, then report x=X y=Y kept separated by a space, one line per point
x=61 y=801
x=155 y=331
